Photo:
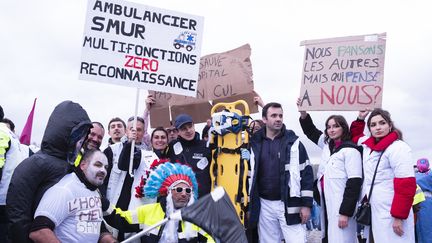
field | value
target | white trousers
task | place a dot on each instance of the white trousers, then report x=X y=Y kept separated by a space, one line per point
x=272 y=227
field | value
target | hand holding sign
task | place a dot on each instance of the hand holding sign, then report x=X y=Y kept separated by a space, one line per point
x=150 y=101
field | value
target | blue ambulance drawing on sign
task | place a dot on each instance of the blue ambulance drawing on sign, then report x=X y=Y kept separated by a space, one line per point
x=186 y=40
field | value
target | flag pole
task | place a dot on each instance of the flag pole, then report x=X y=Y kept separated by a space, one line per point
x=134 y=127
x=143 y=232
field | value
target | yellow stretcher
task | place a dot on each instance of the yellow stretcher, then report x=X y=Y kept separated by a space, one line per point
x=227 y=136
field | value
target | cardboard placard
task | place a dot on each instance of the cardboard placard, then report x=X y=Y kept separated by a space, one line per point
x=200 y=112
x=162 y=119
x=131 y=44
x=249 y=98
x=222 y=77
x=344 y=73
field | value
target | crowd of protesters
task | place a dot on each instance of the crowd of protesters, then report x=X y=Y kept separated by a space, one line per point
x=72 y=190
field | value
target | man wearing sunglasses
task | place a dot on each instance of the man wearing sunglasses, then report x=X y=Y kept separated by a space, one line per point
x=176 y=187
x=181 y=195
x=172 y=133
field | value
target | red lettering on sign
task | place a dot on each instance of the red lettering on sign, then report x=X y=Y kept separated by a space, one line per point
x=141 y=63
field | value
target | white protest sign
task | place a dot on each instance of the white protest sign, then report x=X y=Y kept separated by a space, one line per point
x=344 y=73
x=135 y=45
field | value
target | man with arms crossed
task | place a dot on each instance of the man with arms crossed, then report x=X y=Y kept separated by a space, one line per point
x=71 y=210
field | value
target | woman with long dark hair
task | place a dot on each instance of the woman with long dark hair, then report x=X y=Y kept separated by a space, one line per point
x=338 y=179
x=159 y=142
x=394 y=186
x=144 y=163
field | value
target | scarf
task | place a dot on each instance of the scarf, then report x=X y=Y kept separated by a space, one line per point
x=382 y=144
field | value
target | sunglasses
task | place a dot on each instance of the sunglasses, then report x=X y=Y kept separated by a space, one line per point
x=180 y=189
x=171 y=130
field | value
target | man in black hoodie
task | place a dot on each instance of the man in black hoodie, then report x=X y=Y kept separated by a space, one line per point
x=64 y=135
x=189 y=149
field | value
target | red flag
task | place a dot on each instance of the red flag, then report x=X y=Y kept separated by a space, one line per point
x=26 y=132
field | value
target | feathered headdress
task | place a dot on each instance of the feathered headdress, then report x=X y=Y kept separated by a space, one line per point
x=139 y=190
x=167 y=174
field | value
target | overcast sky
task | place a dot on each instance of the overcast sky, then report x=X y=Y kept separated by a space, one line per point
x=41 y=47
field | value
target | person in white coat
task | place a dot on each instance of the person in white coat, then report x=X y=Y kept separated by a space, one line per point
x=144 y=162
x=339 y=177
x=395 y=185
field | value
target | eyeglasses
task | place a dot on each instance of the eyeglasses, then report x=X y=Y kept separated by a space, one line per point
x=180 y=189
x=170 y=130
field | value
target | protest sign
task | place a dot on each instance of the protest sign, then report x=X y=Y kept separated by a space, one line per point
x=249 y=98
x=135 y=45
x=223 y=77
x=343 y=73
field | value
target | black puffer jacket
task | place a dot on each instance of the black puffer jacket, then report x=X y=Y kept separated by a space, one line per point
x=32 y=177
x=193 y=153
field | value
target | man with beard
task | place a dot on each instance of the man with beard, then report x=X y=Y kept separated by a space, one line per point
x=282 y=182
x=71 y=210
x=64 y=135
x=95 y=137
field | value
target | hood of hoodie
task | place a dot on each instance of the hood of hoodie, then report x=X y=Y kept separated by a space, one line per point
x=60 y=133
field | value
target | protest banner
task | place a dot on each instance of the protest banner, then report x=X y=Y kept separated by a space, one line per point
x=131 y=44
x=343 y=73
x=223 y=77
x=140 y=46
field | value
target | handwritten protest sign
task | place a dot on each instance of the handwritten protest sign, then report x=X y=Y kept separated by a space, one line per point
x=343 y=73
x=222 y=77
x=135 y=45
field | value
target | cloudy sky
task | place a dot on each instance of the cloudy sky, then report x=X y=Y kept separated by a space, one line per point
x=41 y=47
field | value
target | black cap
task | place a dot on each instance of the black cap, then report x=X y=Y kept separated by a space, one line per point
x=182 y=119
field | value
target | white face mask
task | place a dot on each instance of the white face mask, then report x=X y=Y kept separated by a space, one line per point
x=96 y=171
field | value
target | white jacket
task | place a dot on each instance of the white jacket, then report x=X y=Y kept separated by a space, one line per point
x=13 y=157
x=117 y=177
x=395 y=162
x=337 y=168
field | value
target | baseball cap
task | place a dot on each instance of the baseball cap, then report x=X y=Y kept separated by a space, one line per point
x=182 y=119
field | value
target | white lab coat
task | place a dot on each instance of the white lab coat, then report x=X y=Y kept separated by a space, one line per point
x=337 y=169
x=395 y=162
x=117 y=177
x=147 y=158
